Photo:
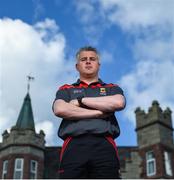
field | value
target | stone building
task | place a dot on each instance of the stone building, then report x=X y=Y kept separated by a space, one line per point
x=22 y=150
x=154 y=155
x=23 y=154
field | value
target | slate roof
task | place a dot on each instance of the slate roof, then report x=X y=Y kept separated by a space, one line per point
x=25 y=119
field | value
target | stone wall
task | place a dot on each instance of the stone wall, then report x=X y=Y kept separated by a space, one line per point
x=132 y=167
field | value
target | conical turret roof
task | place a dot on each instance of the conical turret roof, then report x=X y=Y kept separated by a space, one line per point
x=25 y=119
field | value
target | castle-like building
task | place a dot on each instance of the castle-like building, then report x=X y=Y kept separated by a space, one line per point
x=23 y=154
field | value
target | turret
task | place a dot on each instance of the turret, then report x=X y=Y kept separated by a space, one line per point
x=22 y=149
x=155 y=141
x=155 y=126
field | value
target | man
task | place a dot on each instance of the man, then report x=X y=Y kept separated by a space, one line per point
x=89 y=125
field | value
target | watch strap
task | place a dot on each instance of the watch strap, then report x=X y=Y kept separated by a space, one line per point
x=79 y=99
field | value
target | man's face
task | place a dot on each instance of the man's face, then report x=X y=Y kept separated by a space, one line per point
x=88 y=64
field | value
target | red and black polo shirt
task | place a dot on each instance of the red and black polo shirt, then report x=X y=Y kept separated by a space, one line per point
x=106 y=126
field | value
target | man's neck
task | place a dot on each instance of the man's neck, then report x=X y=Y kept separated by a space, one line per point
x=89 y=80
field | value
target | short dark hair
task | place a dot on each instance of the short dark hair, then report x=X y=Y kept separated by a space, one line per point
x=86 y=48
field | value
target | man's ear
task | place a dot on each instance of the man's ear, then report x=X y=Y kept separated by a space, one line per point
x=76 y=66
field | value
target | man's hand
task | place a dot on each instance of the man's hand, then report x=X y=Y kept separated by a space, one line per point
x=100 y=115
x=72 y=111
x=74 y=102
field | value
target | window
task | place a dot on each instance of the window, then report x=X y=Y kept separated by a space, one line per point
x=151 y=163
x=18 y=171
x=168 y=165
x=4 y=169
x=33 y=169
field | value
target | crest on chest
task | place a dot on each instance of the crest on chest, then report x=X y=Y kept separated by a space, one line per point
x=103 y=91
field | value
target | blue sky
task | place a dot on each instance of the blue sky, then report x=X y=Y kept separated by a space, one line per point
x=40 y=37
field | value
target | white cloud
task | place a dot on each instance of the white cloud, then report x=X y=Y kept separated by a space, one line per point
x=134 y=14
x=151 y=26
x=38 y=9
x=106 y=57
x=92 y=20
x=153 y=75
x=37 y=50
x=48 y=129
x=87 y=11
x=149 y=81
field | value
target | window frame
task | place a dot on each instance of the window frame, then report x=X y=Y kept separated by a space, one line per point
x=148 y=162
x=168 y=163
x=18 y=169
x=4 y=171
x=33 y=171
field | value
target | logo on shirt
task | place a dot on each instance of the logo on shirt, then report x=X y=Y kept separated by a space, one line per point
x=76 y=91
x=103 y=91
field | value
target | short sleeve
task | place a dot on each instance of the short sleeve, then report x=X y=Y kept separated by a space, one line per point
x=116 y=90
x=62 y=94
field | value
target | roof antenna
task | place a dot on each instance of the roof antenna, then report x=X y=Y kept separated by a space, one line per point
x=30 y=78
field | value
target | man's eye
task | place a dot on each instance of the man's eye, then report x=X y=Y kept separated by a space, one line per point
x=93 y=59
x=90 y=59
x=83 y=59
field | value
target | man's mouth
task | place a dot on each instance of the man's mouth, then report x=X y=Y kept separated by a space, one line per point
x=88 y=67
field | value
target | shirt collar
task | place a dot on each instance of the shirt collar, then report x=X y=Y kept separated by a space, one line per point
x=78 y=82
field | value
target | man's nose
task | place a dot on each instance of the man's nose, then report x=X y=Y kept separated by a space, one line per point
x=88 y=61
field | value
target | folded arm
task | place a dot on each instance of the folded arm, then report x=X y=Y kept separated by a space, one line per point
x=105 y=104
x=72 y=111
